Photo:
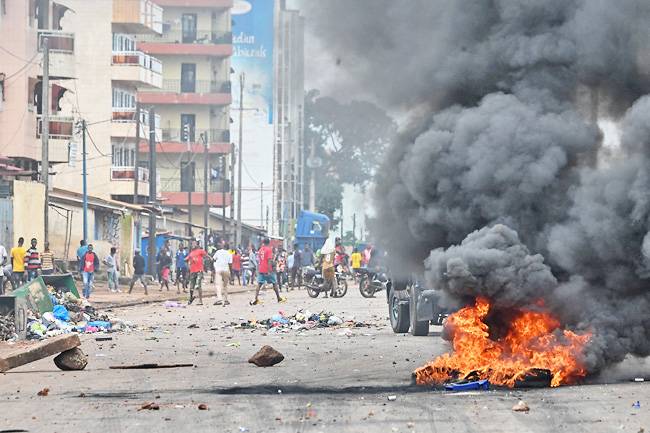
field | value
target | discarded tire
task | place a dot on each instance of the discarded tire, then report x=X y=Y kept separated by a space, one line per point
x=71 y=360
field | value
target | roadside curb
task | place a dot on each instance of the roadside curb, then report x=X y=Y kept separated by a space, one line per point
x=109 y=305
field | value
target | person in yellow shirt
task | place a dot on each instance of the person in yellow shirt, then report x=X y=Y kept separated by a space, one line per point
x=18 y=262
x=355 y=260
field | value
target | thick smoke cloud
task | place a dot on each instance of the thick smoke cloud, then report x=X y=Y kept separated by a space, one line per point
x=504 y=159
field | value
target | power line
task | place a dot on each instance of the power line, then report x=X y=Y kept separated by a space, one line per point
x=22 y=68
x=15 y=56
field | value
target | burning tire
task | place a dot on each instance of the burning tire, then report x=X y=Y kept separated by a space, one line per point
x=419 y=328
x=399 y=314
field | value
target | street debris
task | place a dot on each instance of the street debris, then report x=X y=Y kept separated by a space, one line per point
x=43 y=392
x=392 y=397
x=468 y=385
x=103 y=338
x=266 y=357
x=149 y=406
x=203 y=406
x=521 y=406
x=303 y=320
x=71 y=360
x=174 y=304
x=149 y=366
x=8 y=327
x=636 y=405
x=24 y=352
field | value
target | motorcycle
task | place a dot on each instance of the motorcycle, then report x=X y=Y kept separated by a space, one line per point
x=315 y=283
x=371 y=282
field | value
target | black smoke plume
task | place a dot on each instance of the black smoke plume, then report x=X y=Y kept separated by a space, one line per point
x=500 y=186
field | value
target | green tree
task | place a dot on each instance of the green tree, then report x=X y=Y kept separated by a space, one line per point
x=350 y=140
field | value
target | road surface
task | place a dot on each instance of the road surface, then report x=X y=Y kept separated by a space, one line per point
x=332 y=380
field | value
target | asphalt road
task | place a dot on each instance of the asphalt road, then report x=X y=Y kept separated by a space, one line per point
x=332 y=380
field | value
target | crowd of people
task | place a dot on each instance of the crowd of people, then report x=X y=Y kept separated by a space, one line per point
x=188 y=267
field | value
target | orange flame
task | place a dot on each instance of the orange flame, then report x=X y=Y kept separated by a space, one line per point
x=533 y=340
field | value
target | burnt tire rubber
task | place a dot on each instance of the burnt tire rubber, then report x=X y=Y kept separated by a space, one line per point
x=366 y=290
x=399 y=314
x=313 y=293
x=418 y=328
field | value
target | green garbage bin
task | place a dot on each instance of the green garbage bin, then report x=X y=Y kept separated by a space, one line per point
x=63 y=282
x=35 y=295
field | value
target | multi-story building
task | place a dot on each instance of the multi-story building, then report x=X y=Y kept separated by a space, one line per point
x=288 y=107
x=23 y=25
x=194 y=102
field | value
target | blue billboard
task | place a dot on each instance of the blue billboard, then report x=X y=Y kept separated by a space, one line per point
x=253 y=33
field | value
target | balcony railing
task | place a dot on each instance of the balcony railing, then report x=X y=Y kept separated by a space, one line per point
x=58 y=40
x=214 y=135
x=124 y=115
x=128 y=173
x=61 y=128
x=137 y=58
x=197 y=86
x=178 y=36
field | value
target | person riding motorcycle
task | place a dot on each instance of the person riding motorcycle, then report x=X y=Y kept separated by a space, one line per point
x=328 y=252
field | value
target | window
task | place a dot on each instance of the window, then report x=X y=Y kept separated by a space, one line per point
x=189 y=28
x=123 y=155
x=123 y=42
x=123 y=98
x=188 y=77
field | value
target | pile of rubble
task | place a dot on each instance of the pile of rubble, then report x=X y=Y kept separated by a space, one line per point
x=70 y=314
x=7 y=327
x=303 y=320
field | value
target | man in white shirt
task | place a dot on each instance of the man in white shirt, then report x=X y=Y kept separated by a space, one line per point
x=222 y=263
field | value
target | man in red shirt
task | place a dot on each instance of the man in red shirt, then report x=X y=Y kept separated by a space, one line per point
x=236 y=267
x=195 y=261
x=265 y=272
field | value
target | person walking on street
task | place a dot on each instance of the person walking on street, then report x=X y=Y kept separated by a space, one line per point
x=245 y=264
x=32 y=260
x=252 y=264
x=222 y=264
x=112 y=270
x=138 y=272
x=165 y=268
x=236 y=267
x=181 y=268
x=3 y=261
x=296 y=267
x=327 y=265
x=18 y=262
x=81 y=252
x=356 y=260
x=307 y=257
x=195 y=261
x=281 y=268
x=90 y=265
x=47 y=260
x=266 y=275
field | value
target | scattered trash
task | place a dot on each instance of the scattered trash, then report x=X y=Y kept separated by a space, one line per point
x=483 y=384
x=71 y=360
x=243 y=429
x=266 y=357
x=203 y=406
x=637 y=405
x=174 y=304
x=639 y=379
x=392 y=397
x=103 y=338
x=233 y=344
x=303 y=320
x=521 y=406
x=148 y=366
x=43 y=392
x=8 y=327
x=149 y=406
x=193 y=326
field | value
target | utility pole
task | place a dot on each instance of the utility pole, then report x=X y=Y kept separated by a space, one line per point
x=223 y=196
x=341 y=221
x=206 y=207
x=152 y=192
x=232 y=191
x=242 y=81
x=190 y=183
x=262 y=204
x=354 y=228
x=312 y=177
x=45 y=134
x=136 y=197
x=84 y=175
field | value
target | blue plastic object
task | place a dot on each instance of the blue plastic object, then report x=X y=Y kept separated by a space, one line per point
x=100 y=324
x=61 y=313
x=468 y=386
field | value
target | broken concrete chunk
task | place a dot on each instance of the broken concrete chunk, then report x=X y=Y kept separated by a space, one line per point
x=521 y=407
x=71 y=360
x=266 y=357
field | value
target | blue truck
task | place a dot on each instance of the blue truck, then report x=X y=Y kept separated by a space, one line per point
x=312 y=229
